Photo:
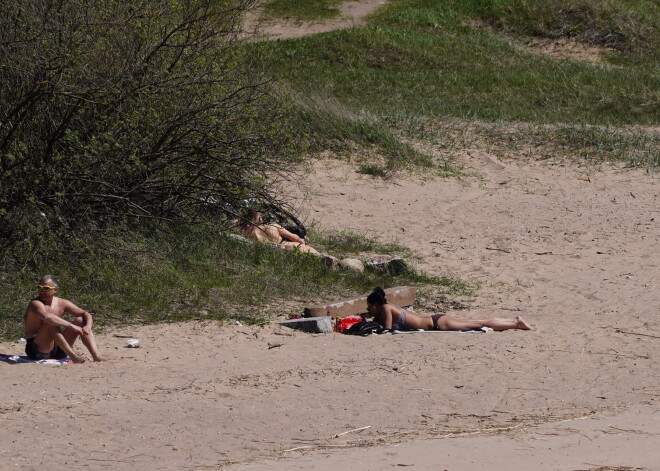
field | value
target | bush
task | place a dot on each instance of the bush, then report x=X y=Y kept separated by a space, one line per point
x=115 y=112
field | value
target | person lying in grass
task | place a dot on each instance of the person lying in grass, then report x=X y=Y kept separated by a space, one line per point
x=44 y=319
x=394 y=317
x=256 y=229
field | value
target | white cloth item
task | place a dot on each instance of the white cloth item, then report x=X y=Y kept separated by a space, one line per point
x=483 y=330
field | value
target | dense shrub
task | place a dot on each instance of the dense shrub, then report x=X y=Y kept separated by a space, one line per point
x=114 y=112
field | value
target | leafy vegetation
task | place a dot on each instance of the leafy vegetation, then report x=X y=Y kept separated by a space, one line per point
x=123 y=113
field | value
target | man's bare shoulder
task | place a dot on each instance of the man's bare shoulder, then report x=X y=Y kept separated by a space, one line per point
x=35 y=303
x=35 y=309
x=69 y=307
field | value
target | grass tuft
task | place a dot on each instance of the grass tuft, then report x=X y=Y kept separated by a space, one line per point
x=349 y=243
x=373 y=170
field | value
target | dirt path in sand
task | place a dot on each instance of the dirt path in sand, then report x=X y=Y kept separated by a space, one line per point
x=352 y=14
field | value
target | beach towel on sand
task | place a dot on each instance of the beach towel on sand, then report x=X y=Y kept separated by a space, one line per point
x=24 y=359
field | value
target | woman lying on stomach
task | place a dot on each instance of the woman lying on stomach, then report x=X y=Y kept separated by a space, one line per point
x=393 y=317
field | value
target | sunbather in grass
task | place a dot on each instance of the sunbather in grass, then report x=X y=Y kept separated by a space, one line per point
x=257 y=230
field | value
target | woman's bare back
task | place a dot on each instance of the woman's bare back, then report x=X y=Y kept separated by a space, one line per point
x=264 y=233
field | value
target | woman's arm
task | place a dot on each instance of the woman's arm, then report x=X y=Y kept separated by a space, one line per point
x=290 y=235
x=386 y=316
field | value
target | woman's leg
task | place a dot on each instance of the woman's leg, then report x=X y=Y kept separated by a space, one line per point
x=297 y=246
x=495 y=323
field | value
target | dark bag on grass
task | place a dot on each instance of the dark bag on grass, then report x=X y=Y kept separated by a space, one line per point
x=363 y=328
x=296 y=229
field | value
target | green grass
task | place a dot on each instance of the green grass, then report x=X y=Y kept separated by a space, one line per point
x=469 y=74
x=633 y=146
x=373 y=170
x=191 y=273
x=631 y=27
x=309 y=10
x=423 y=61
x=350 y=243
x=331 y=125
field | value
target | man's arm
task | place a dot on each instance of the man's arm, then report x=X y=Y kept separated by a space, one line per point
x=75 y=311
x=51 y=319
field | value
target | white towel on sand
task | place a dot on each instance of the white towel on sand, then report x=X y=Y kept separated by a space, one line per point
x=482 y=330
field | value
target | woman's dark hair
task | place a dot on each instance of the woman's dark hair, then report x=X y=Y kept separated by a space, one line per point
x=377 y=297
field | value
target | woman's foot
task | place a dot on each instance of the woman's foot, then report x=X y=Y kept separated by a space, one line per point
x=521 y=324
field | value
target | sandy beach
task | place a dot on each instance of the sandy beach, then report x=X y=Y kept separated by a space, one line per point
x=574 y=250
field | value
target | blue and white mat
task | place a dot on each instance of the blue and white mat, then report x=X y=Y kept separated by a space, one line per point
x=24 y=359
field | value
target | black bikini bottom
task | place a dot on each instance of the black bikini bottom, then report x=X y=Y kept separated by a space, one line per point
x=435 y=318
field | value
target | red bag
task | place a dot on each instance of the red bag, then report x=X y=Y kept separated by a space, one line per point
x=345 y=323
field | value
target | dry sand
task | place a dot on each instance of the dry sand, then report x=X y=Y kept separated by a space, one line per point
x=573 y=250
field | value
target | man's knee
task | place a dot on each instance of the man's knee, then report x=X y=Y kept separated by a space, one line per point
x=79 y=321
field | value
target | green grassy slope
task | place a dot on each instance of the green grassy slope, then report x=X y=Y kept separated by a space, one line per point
x=419 y=60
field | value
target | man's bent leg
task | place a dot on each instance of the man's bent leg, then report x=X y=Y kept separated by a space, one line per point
x=40 y=346
x=66 y=346
x=88 y=340
x=90 y=343
x=45 y=345
x=32 y=350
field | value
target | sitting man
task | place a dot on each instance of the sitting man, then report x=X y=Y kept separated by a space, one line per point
x=43 y=320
